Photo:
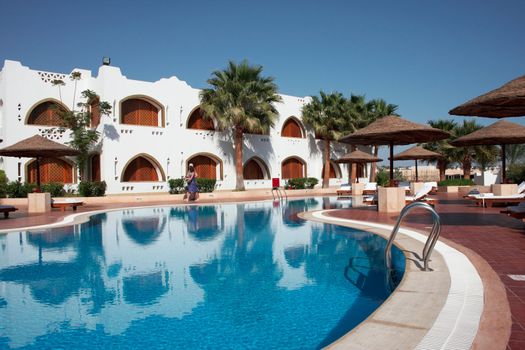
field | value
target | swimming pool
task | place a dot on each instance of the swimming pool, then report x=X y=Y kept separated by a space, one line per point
x=249 y=275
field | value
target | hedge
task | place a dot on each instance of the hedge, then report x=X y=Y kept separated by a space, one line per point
x=456 y=182
x=55 y=188
x=92 y=189
x=17 y=189
x=177 y=186
x=301 y=183
x=206 y=185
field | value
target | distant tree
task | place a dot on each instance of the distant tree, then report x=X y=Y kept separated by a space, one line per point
x=443 y=147
x=241 y=99
x=515 y=154
x=78 y=122
x=327 y=115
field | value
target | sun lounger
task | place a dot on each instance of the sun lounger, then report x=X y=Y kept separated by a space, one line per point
x=370 y=188
x=476 y=195
x=420 y=195
x=488 y=199
x=434 y=186
x=66 y=203
x=6 y=209
x=344 y=190
x=516 y=211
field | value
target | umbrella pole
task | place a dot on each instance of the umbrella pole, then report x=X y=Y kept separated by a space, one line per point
x=391 y=164
x=503 y=165
x=38 y=175
x=415 y=161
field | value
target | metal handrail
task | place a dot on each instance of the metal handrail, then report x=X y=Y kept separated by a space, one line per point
x=431 y=240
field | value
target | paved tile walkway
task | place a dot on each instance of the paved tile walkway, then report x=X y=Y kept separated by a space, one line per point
x=498 y=239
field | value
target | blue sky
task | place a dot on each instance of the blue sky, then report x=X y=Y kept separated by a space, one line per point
x=425 y=56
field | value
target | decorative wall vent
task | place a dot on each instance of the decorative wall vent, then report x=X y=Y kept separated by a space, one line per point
x=48 y=77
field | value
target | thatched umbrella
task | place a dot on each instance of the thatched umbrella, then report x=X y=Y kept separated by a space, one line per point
x=38 y=147
x=358 y=157
x=415 y=153
x=505 y=101
x=393 y=130
x=500 y=133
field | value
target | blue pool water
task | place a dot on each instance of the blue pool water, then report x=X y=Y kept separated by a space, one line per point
x=233 y=276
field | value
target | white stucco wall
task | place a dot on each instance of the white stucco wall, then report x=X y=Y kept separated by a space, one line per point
x=171 y=146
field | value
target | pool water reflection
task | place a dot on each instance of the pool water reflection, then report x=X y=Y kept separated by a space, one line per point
x=250 y=275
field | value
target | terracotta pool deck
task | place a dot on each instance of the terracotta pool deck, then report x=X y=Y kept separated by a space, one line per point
x=498 y=239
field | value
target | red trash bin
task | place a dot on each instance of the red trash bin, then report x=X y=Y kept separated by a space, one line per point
x=276 y=182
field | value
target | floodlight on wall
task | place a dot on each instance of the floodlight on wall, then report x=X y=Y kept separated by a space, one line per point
x=106 y=61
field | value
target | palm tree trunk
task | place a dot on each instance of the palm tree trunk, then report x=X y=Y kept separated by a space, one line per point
x=373 y=167
x=326 y=173
x=442 y=168
x=467 y=165
x=239 y=184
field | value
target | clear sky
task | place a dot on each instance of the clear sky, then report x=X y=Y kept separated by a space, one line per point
x=427 y=56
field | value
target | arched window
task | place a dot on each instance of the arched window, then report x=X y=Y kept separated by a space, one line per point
x=51 y=170
x=255 y=169
x=140 y=111
x=291 y=128
x=293 y=168
x=197 y=120
x=46 y=113
x=335 y=171
x=206 y=166
x=94 y=107
x=142 y=169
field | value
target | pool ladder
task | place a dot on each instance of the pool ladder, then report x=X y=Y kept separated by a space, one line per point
x=431 y=240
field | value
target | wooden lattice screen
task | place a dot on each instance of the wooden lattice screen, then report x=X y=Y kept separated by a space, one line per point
x=333 y=174
x=291 y=129
x=46 y=113
x=140 y=169
x=95 y=112
x=51 y=170
x=292 y=168
x=139 y=112
x=205 y=167
x=198 y=121
x=95 y=168
x=252 y=171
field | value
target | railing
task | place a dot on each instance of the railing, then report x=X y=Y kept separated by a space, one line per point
x=431 y=240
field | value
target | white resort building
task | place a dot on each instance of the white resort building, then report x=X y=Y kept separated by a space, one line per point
x=154 y=131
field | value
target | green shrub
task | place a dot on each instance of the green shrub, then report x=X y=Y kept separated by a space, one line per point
x=516 y=173
x=206 y=185
x=92 y=189
x=382 y=178
x=456 y=182
x=177 y=186
x=17 y=189
x=3 y=184
x=56 y=189
x=301 y=183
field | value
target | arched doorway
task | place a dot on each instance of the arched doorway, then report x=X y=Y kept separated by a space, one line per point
x=142 y=169
x=95 y=167
x=197 y=120
x=206 y=166
x=51 y=170
x=141 y=111
x=293 y=168
x=335 y=171
x=46 y=113
x=255 y=169
x=292 y=128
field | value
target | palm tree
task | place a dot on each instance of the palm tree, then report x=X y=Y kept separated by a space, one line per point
x=328 y=118
x=242 y=99
x=376 y=109
x=443 y=147
x=465 y=155
x=515 y=153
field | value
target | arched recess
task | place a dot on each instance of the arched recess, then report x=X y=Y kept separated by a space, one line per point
x=255 y=169
x=45 y=113
x=143 y=168
x=207 y=165
x=141 y=110
x=293 y=167
x=292 y=127
x=51 y=170
x=335 y=171
x=94 y=166
x=198 y=121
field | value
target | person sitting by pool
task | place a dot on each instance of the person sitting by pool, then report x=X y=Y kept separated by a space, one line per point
x=191 y=179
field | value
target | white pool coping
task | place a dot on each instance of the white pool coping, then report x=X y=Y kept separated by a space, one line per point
x=458 y=321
